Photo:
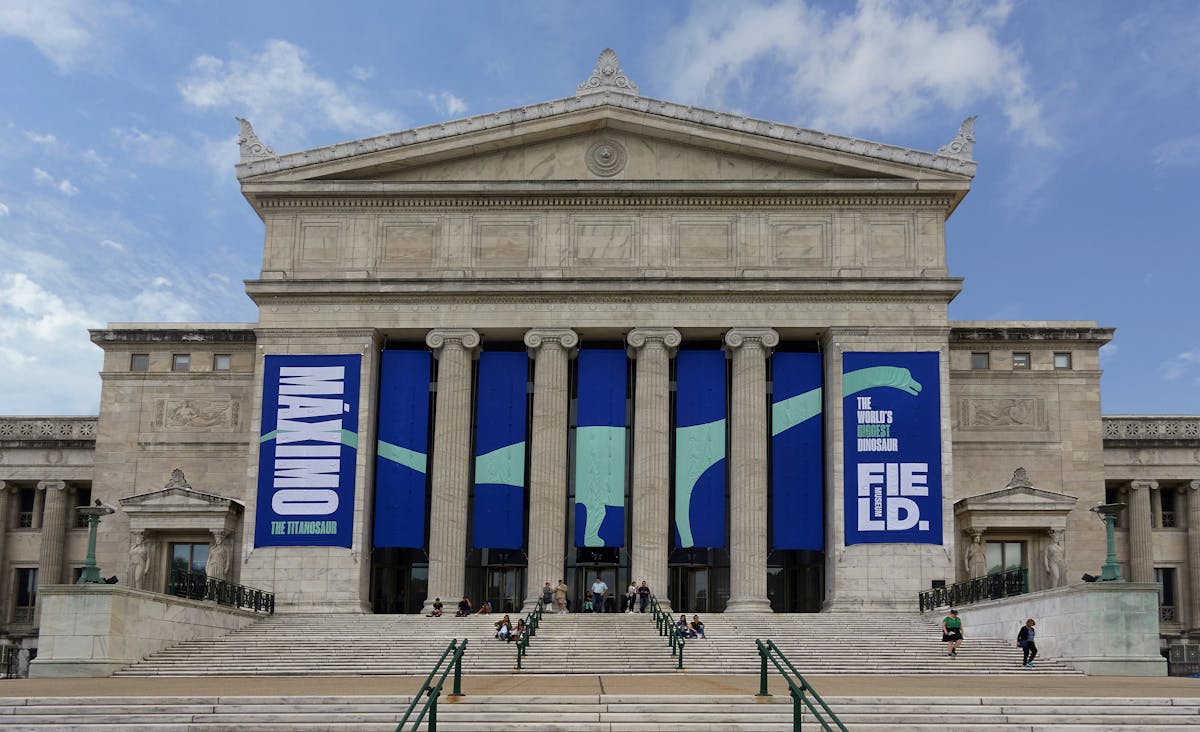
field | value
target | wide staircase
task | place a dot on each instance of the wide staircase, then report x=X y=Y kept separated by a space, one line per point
x=349 y=645
x=594 y=713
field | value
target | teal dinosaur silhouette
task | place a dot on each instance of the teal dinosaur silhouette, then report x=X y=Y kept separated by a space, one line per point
x=599 y=476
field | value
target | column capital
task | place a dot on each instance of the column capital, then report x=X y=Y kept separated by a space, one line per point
x=1137 y=485
x=639 y=338
x=1191 y=486
x=57 y=485
x=765 y=338
x=465 y=338
x=565 y=338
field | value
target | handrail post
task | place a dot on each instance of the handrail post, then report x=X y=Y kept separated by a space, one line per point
x=679 y=667
x=458 y=669
x=762 y=673
x=433 y=710
x=797 y=713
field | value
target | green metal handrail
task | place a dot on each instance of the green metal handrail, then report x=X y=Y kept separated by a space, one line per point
x=532 y=620
x=432 y=692
x=666 y=626
x=800 y=692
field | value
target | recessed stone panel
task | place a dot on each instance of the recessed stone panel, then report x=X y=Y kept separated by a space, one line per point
x=408 y=243
x=504 y=244
x=889 y=240
x=703 y=242
x=801 y=240
x=319 y=241
x=1004 y=413
x=603 y=241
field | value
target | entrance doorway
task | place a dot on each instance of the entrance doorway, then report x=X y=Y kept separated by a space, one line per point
x=609 y=574
x=399 y=581
x=504 y=587
x=795 y=581
x=699 y=589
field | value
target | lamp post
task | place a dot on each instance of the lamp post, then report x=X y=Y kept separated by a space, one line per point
x=91 y=573
x=1111 y=571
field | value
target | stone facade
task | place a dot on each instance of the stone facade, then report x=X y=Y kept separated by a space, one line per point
x=605 y=218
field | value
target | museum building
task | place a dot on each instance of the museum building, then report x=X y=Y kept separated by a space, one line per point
x=603 y=336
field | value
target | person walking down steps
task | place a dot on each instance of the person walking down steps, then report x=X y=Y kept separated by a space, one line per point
x=952 y=634
x=1025 y=641
x=631 y=596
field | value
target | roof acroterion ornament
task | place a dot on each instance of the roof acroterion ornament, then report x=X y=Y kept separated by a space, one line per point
x=607 y=76
x=963 y=144
x=250 y=146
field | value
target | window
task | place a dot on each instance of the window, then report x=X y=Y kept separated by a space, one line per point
x=980 y=361
x=26 y=502
x=189 y=557
x=1167 y=497
x=1003 y=556
x=83 y=497
x=222 y=362
x=1020 y=362
x=1062 y=360
x=27 y=584
x=1165 y=577
x=181 y=362
x=139 y=362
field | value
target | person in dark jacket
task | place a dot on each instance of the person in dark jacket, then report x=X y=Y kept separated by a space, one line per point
x=1025 y=641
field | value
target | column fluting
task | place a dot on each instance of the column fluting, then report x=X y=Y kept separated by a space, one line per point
x=451 y=464
x=1141 y=545
x=54 y=529
x=1193 y=564
x=652 y=347
x=551 y=349
x=748 y=469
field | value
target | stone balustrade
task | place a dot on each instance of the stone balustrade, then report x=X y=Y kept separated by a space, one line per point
x=47 y=429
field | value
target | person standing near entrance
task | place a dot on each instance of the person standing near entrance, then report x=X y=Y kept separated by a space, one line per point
x=547 y=596
x=952 y=633
x=630 y=596
x=1025 y=641
x=599 y=590
x=560 y=597
x=643 y=596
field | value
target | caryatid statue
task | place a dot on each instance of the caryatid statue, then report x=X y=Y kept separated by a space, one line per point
x=976 y=557
x=217 y=566
x=1056 y=558
x=139 y=563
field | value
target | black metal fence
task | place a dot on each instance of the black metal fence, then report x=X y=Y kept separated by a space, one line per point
x=197 y=586
x=1183 y=659
x=991 y=587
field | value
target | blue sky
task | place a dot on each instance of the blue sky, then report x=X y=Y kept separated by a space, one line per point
x=118 y=200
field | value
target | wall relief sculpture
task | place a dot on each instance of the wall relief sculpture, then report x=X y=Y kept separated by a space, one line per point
x=1015 y=413
x=209 y=415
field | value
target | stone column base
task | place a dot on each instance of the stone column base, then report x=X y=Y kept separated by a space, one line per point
x=760 y=605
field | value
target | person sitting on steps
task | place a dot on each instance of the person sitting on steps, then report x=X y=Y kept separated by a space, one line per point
x=437 y=608
x=464 y=608
x=697 y=626
x=504 y=629
x=685 y=630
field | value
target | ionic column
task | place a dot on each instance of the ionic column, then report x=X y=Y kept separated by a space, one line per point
x=5 y=517
x=550 y=348
x=748 y=469
x=1193 y=564
x=1141 y=545
x=451 y=465
x=652 y=348
x=54 y=529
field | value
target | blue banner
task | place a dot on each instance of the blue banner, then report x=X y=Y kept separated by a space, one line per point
x=891 y=412
x=600 y=448
x=700 y=464
x=307 y=449
x=500 y=408
x=797 y=452
x=402 y=453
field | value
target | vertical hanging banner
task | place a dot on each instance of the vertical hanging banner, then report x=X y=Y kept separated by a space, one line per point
x=700 y=405
x=307 y=450
x=891 y=413
x=797 y=452
x=402 y=453
x=500 y=409
x=600 y=448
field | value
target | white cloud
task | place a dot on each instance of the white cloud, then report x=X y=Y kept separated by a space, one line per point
x=3 y=210
x=161 y=282
x=281 y=94
x=1178 y=153
x=60 y=29
x=152 y=148
x=41 y=177
x=874 y=68
x=447 y=103
x=64 y=186
x=46 y=139
x=115 y=245
x=1181 y=366
x=362 y=73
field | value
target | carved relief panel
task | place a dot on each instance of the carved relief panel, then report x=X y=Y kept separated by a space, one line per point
x=1007 y=413
x=196 y=415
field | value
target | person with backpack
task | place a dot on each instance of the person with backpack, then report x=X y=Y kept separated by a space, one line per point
x=1025 y=641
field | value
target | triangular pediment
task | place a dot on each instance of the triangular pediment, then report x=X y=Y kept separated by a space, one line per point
x=1019 y=498
x=176 y=499
x=603 y=138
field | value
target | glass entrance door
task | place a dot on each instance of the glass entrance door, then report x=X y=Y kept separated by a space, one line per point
x=399 y=582
x=504 y=587
x=691 y=591
x=586 y=576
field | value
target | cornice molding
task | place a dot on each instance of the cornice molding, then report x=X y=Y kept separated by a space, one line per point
x=939 y=202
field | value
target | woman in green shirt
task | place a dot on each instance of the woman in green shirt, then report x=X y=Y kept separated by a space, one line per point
x=952 y=632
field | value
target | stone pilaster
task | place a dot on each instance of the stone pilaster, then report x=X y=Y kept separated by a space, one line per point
x=54 y=528
x=451 y=466
x=1193 y=564
x=1141 y=545
x=748 y=469
x=6 y=513
x=550 y=348
x=652 y=347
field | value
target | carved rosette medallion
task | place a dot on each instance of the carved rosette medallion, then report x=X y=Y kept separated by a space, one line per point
x=606 y=158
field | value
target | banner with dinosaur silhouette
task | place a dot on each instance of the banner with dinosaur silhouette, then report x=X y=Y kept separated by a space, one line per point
x=402 y=451
x=891 y=416
x=501 y=406
x=797 y=452
x=308 y=445
x=700 y=454
x=600 y=454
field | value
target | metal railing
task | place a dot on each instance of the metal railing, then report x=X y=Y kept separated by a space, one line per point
x=666 y=626
x=197 y=586
x=432 y=691
x=531 y=625
x=991 y=587
x=802 y=692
